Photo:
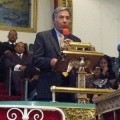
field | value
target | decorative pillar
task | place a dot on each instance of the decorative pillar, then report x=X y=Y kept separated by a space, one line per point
x=81 y=97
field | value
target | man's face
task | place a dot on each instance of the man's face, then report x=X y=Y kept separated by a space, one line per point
x=20 y=48
x=12 y=36
x=62 y=20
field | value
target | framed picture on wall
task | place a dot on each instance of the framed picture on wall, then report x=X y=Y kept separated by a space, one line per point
x=65 y=3
x=20 y=15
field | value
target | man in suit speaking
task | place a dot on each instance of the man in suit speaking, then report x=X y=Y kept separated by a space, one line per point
x=47 y=50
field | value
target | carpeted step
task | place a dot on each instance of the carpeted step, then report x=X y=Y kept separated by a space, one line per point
x=9 y=98
x=4 y=94
x=2 y=86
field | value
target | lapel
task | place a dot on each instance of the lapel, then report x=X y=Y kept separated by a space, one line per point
x=23 y=57
x=17 y=57
x=53 y=38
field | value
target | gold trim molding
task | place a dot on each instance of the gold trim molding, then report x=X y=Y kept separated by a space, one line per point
x=79 y=114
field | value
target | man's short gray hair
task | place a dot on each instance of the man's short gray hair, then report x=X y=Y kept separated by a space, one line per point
x=59 y=9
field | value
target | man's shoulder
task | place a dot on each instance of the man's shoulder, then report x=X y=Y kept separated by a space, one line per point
x=75 y=38
x=45 y=32
x=5 y=44
x=5 y=41
x=11 y=55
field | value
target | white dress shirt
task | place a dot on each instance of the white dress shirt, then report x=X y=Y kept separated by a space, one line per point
x=16 y=68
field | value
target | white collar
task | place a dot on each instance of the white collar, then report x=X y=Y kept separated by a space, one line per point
x=57 y=32
x=20 y=54
x=11 y=42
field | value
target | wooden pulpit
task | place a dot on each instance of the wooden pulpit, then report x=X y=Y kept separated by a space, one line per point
x=81 y=56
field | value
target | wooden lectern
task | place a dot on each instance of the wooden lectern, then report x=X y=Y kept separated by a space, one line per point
x=81 y=56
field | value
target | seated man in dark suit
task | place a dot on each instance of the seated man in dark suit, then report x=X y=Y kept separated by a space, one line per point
x=7 y=48
x=9 y=45
x=18 y=61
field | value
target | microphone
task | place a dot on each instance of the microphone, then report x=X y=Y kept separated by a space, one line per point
x=66 y=33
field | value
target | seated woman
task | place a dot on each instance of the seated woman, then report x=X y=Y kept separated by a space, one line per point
x=107 y=71
x=103 y=75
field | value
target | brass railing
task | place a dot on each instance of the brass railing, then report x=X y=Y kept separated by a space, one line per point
x=55 y=89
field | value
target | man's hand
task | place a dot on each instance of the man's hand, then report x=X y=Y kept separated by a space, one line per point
x=67 y=41
x=7 y=52
x=66 y=44
x=22 y=68
x=53 y=62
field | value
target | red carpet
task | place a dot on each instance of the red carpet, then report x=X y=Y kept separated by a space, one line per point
x=4 y=94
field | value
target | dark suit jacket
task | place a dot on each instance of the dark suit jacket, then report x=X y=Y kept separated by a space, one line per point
x=7 y=46
x=14 y=59
x=17 y=76
x=3 y=47
x=46 y=47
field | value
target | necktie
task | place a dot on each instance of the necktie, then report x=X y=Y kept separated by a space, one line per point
x=61 y=43
x=12 y=46
x=61 y=40
x=20 y=56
